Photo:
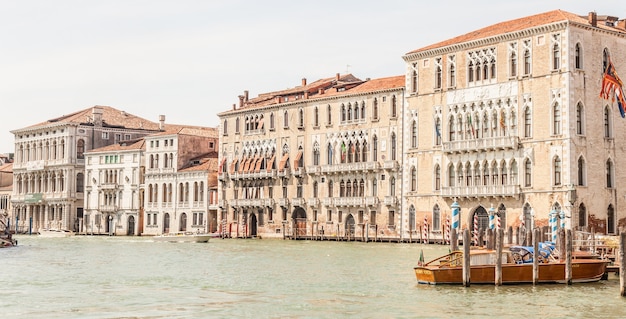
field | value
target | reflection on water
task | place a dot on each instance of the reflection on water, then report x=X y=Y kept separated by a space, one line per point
x=133 y=277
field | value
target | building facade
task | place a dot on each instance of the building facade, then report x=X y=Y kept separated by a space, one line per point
x=113 y=180
x=321 y=159
x=179 y=190
x=506 y=122
x=49 y=164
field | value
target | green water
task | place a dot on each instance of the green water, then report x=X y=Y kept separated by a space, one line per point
x=133 y=277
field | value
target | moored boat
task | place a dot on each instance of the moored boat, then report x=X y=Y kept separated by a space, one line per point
x=517 y=268
x=189 y=237
x=55 y=233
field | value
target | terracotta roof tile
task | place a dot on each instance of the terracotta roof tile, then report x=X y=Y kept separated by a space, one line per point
x=122 y=146
x=516 y=25
x=111 y=117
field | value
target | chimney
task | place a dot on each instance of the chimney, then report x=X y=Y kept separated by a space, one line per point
x=161 y=122
x=234 y=106
x=278 y=99
x=303 y=81
x=97 y=115
x=320 y=91
x=306 y=95
x=241 y=97
x=593 y=19
x=337 y=77
x=245 y=94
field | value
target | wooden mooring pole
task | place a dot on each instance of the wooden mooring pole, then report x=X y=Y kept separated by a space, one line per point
x=568 y=256
x=466 y=258
x=499 y=244
x=454 y=242
x=622 y=265
x=536 y=234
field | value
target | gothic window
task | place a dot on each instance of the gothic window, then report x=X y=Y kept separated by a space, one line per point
x=581 y=171
x=556 y=167
x=578 y=60
x=580 y=111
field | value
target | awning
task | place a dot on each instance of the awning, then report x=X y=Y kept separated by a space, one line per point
x=221 y=167
x=257 y=167
x=233 y=165
x=270 y=164
x=251 y=163
x=242 y=165
x=283 y=162
x=297 y=159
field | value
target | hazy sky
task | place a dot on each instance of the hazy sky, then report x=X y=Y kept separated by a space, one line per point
x=189 y=60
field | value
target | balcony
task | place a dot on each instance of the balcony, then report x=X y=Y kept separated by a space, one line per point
x=391 y=165
x=481 y=144
x=110 y=186
x=283 y=202
x=222 y=203
x=313 y=202
x=391 y=201
x=350 y=167
x=482 y=191
x=254 y=175
x=349 y=201
x=222 y=176
x=284 y=173
x=328 y=202
x=165 y=170
x=298 y=201
x=314 y=170
x=371 y=201
x=298 y=171
x=108 y=208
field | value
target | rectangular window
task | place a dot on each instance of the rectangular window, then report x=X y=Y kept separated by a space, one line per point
x=340 y=216
x=373 y=217
x=392 y=217
x=329 y=215
x=105 y=135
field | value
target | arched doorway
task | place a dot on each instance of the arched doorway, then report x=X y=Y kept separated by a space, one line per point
x=299 y=220
x=483 y=219
x=183 y=222
x=166 y=223
x=350 y=226
x=252 y=222
x=130 y=229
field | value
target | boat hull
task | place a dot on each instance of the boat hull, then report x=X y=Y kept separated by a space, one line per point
x=55 y=233
x=184 y=238
x=587 y=270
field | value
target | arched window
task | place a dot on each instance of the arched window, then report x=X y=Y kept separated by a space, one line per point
x=80 y=149
x=330 y=189
x=374 y=148
x=412 y=225
x=437 y=131
x=316 y=117
x=225 y=127
x=374 y=187
x=609 y=174
x=413 y=179
x=578 y=60
x=451 y=128
x=556 y=167
x=501 y=215
x=556 y=55
x=451 y=176
x=528 y=173
x=581 y=171
x=375 y=109
x=329 y=153
x=436 y=224
x=556 y=119
x=285 y=119
x=414 y=134
x=438 y=79
x=392 y=186
x=343 y=113
x=271 y=121
x=580 y=112
x=527 y=62
x=582 y=215
x=393 y=146
x=607 y=123
x=513 y=64
x=414 y=81
x=237 y=126
x=394 y=106
x=605 y=59
x=527 y=122
x=437 y=177
x=329 y=114
x=610 y=220
x=470 y=72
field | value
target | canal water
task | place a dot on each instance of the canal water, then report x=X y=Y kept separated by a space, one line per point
x=134 y=277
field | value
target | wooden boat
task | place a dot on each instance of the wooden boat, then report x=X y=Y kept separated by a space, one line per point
x=6 y=240
x=189 y=237
x=517 y=268
x=55 y=233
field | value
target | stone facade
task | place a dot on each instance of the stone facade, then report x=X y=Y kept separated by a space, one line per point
x=49 y=165
x=320 y=159
x=509 y=124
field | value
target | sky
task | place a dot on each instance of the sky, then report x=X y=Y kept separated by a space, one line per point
x=189 y=60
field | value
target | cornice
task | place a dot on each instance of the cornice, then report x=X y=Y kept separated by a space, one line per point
x=459 y=47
